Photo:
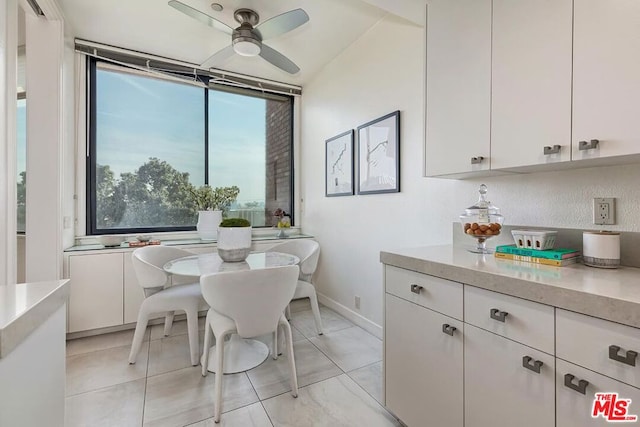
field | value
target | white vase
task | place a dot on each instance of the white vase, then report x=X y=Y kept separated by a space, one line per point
x=208 y=222
x=234 y=243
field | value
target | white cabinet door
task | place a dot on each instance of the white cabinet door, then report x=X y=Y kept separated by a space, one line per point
x=423 y=365
x=498 y=390
x=95 y=299
x=574 y=408
x=133 y=293
x=458 y=86
x=606 y=77
x=531 y=82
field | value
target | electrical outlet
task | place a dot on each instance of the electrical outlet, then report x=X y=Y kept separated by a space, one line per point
x=356 y=302
x=604 y=211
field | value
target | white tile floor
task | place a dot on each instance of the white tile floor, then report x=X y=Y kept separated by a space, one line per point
x=339 y=373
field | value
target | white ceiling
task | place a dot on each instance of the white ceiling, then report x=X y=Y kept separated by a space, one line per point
x=152 y=26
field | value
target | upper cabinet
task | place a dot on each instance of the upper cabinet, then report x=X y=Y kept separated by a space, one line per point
x=529 y=85
x=530 y=82
x=458 y=86
x=606 y=78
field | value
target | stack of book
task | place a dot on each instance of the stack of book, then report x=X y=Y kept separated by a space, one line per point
x=558 y=257
x=137 y=244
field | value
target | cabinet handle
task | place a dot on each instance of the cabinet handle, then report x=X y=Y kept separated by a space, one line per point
x=580 y=388
x=629 y=359
x=552 y=150
x=584 y=145
x=477 y=160
x=416 y=289
x=535 y=366
x=498 y=315
x=448 y=329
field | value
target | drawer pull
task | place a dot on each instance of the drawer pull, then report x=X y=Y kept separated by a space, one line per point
x=580 y=388
x=552 y=150
x=498 y=315
x=448 y=329
x=416 y=289
x=591 y=145
x=629 y=359
x=535 y=366
x=477 y=160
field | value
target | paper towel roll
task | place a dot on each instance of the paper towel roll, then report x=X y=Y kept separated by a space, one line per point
x=601 y=249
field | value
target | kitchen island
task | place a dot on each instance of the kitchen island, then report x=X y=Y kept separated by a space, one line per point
x=463 y=331
x=32 y=353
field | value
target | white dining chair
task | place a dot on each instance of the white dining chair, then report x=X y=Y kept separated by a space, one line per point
x=249 y=303
x=161 y=297
x=308 y=251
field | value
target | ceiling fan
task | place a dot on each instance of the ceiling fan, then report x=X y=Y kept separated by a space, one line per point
x=246 y=40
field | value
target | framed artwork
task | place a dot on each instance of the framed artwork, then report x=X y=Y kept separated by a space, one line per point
x=339 y=165
x=379 y=155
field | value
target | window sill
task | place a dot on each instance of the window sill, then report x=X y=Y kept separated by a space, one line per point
x=90 y=243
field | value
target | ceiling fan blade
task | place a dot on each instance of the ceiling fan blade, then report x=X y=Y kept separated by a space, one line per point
x=282 y=23
x=201 y=16
x=218 y=57
x=278 y=59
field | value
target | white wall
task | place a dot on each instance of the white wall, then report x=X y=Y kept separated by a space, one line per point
x=382 y=72
x=44 y=49
x=8 y=80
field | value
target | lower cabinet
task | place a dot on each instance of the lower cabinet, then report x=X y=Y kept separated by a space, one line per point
x=96 y=294
x=576 y=388
x=104 y=288
x=133 y=293
x=474 y=376
x=499 y=389
x=423 y=365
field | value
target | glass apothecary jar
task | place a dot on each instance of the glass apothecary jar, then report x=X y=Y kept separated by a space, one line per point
x=481 y=222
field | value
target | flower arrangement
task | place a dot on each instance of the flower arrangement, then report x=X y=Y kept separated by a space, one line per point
x=284 y=220
x=219 y=198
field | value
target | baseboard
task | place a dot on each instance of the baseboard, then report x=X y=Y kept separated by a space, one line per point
x=356 y=318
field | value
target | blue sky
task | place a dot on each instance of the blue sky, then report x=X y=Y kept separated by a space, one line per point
x=141 y=117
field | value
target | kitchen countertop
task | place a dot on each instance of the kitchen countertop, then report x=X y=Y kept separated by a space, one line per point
x=25 y=306
x=612 y=294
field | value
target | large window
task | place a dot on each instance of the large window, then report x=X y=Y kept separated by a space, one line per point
x=154 y=140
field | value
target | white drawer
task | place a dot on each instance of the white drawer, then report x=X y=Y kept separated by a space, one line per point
x=586 y=341
x=527 y=322
x=574 y=409
x=438 y=294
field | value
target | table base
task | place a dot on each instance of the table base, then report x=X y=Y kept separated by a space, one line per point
x=239 y=355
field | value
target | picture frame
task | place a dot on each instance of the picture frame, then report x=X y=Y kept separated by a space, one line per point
x=339 y=165
x=379 y=155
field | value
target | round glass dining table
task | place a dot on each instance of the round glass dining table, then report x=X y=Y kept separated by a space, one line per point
x=240 y=354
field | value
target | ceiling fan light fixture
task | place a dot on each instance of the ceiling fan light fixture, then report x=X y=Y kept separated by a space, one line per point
x=246 y=46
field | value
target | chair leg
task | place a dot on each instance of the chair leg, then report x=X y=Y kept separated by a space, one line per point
x=192 y=330
x=207 y=345
x=168 y=323
x=138 y=335
x=219 y=375
x=274 y=345
x=313 y=299
x=290 y=356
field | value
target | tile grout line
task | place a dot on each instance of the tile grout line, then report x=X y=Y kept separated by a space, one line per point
x=266 y=412
x=146 y=379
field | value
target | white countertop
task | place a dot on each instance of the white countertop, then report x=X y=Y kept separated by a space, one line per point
x=25 y=306
x=612 y=294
